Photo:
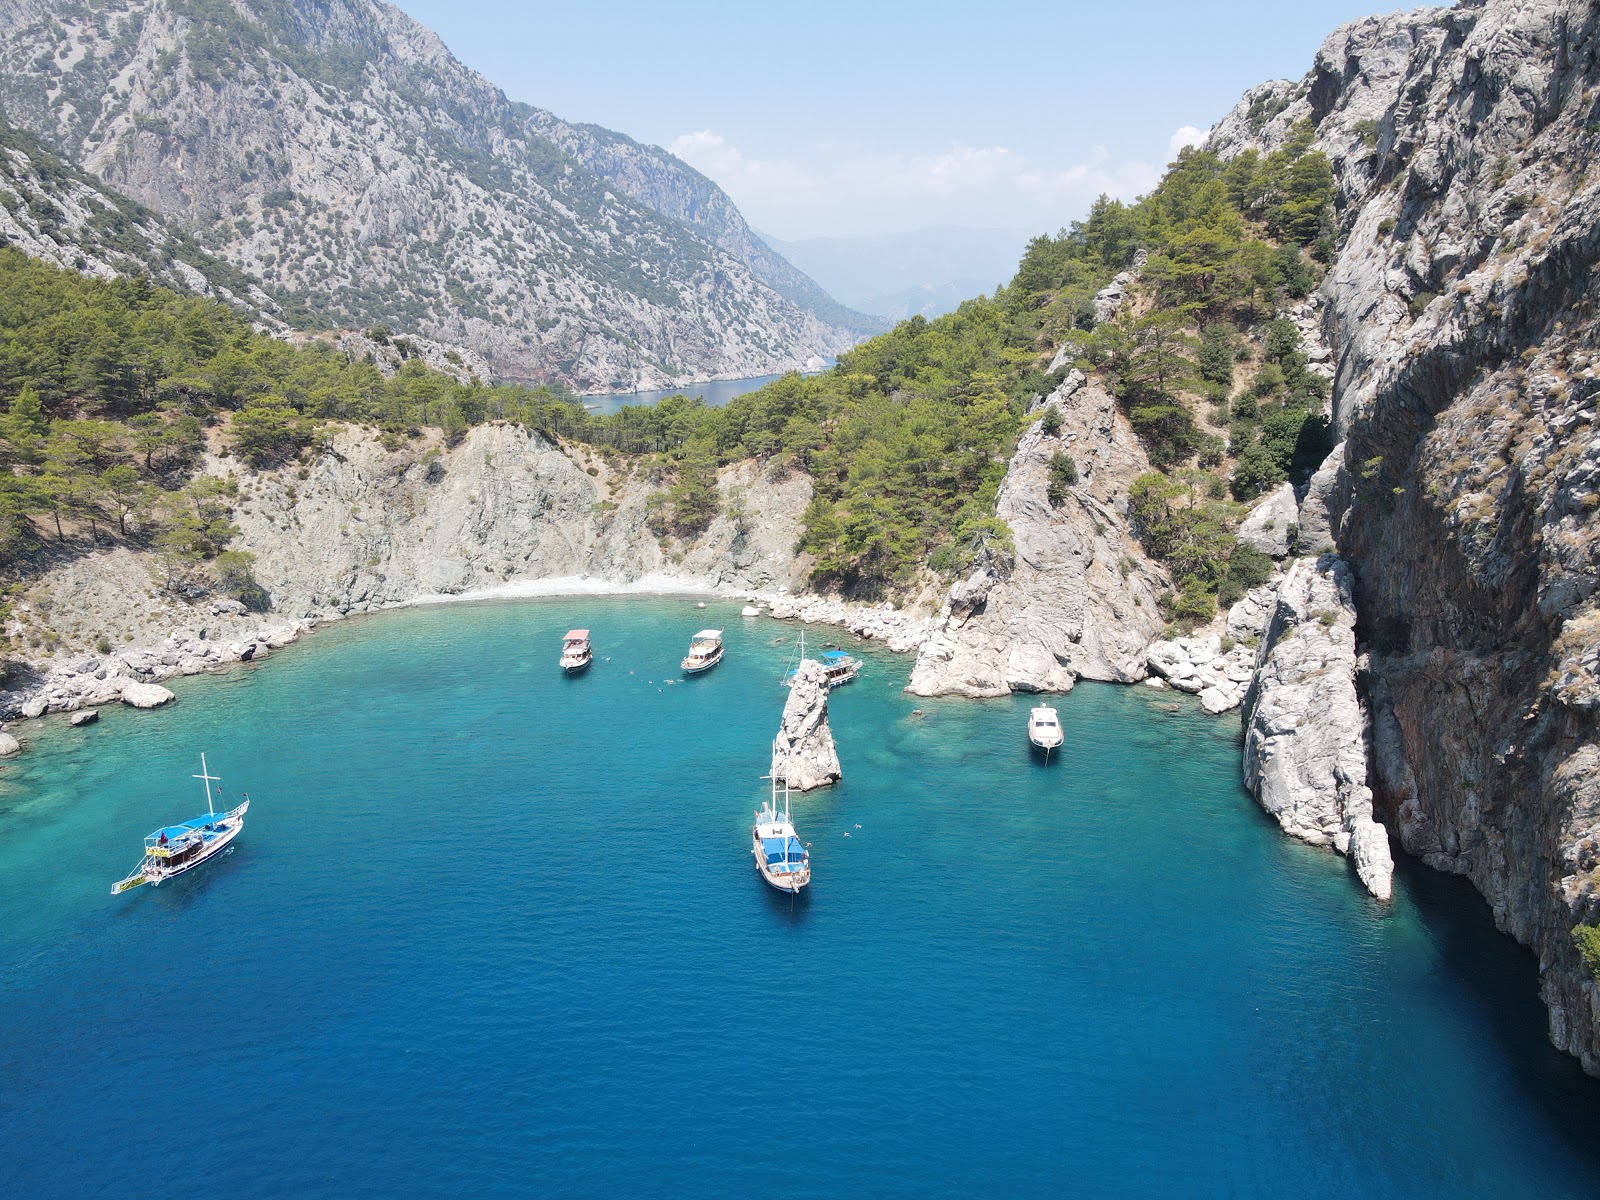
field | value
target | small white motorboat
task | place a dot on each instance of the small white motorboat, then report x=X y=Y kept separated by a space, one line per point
x=1044 y=729
x=705 y=652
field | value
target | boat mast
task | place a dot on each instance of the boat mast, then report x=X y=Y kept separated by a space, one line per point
x=209 y=780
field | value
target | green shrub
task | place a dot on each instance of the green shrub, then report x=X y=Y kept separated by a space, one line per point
x=1587 y=939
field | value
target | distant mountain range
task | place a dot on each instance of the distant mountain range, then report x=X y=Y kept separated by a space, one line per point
x=337 y=152
x=898 y=275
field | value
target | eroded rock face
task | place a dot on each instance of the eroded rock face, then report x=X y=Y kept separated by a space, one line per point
x=803 y=752
x=336 y=148
x=1271 y=523
x=1080 y=600
x=1305 y=754
x=1464 y=495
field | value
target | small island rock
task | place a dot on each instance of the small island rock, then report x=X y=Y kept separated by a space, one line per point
x=803 y=751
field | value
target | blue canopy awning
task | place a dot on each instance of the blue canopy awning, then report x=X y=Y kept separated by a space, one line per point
x=174 y=832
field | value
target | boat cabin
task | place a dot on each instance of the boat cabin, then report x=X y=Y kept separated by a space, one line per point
x=705 y=650
x=575 y=649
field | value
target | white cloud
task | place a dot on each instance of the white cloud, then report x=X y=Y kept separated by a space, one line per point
x=1188 y=135
x=843 y=188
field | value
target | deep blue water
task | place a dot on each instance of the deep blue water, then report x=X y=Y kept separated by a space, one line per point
x=715 y=392
x=490 y=931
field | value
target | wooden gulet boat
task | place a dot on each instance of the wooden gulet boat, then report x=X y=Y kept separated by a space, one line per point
x=838 y=667
x=782 y=859
x=705 y=652
x=174 y=849
x=576 y=652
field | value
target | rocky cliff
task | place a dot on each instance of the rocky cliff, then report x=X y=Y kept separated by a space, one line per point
x=363 y=528
x=1305 y=752
x=1079 y=598
x=1461 y=310
x=338 y=152
x=53 y=211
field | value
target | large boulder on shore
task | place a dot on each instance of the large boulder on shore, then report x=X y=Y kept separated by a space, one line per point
x=803 y=752
x=146 y=695
x=9 y=745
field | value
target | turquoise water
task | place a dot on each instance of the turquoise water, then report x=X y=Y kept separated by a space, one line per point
x=490 y=931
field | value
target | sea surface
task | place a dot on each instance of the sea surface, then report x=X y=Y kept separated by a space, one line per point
x=494 y=932
x=715 y=392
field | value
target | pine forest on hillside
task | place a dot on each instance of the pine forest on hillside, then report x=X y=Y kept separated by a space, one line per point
x=113 y=389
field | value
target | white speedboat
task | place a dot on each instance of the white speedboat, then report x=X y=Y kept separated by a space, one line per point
x=174 y=849
x=576 y=653
x=705 y=652
x=1044 y=729
x=781 y=857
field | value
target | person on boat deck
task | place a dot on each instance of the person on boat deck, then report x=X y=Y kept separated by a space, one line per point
x=163 y=837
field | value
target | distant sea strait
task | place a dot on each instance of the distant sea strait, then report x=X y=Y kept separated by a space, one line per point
x=490 y=931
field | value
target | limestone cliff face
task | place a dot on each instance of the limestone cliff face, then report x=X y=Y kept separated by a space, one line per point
x=368 y=527
x=363 y=528
x=1080 y=599
x=337 y=151
x=1305 y=754
x=53 y=211
x=1460 y=306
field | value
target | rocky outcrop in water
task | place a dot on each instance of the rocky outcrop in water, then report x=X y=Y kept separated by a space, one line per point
x=145 y=695
x=1305 y=755
x=803 y=753
x=338 y=152
x=1080 y=598
x=1464 y=494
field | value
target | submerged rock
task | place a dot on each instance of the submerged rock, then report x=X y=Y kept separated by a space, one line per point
x=803 y=752
x=85 y=716
x=9 y=745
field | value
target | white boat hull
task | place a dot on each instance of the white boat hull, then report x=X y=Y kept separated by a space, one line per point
x=696 y=666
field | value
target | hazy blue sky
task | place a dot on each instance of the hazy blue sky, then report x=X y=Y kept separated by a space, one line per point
x=836 y=118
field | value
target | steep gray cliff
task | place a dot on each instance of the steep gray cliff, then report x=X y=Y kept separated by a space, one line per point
x=51 y=210
x=1305 y=755
x=1461 y=309
x=1080 y=599
x=362 y=528
x=337 y=151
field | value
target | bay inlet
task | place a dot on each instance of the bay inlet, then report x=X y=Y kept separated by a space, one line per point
x=495 y=931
